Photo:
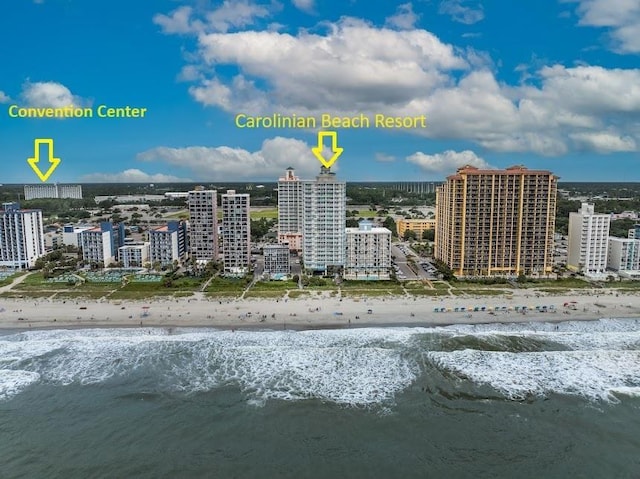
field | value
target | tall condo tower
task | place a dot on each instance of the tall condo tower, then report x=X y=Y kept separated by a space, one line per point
x=21 y=236
x=496 y=222
x=290 y=210
x=203 y=234
x=323 y=221
x=236 y=233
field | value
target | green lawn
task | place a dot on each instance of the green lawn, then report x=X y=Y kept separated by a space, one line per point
x=264 y=294
x=274 y=286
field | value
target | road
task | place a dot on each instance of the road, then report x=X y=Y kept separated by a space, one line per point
x=401 y=261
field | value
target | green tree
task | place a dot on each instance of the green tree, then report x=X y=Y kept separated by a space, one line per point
x=429 y=235
x=410 y=235
x=390 y=224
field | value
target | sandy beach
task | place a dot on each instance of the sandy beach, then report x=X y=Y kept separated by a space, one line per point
x=318 y=311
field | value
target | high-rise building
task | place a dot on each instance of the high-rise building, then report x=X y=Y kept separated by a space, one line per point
x=236 y=233
x=323 y=221
x=623 y=256
x=588 y=241
x=100 y=245
x=203 y=225
x=496 y=222
x=168 y=243
x=290 y=210
x=21 y=236
x=52 y=190
x=71 y=233
x=277 y=259
x=368 y=252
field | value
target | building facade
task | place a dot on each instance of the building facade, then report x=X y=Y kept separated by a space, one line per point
x=236 y=233
x=368 y=253
x=101 y=245
x=52 y=190
x=21 y=236
x=134 y=255
x=168 y=244
x=323 y=220
x=290 y=210
x=277 y=259
x=419 y=226
x=588 y=241
x=623 y=256
x=496 y=222
x=71 y=234
x=203 y=225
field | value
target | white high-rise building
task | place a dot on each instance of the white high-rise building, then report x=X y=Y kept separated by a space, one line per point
x=236 y=233
x=52 y=190
x=323 y=220
x=97 y=246
x=368 y=252
x=203 y=225
x=588 y=241
x=167 y=243
x=290 y=210
x=21 y=236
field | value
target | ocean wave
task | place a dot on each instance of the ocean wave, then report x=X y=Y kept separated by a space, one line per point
x=12 y=382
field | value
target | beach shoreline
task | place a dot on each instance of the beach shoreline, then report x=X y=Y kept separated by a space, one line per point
x=320 y=312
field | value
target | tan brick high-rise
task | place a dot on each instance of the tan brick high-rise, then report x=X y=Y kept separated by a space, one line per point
x=496 y=222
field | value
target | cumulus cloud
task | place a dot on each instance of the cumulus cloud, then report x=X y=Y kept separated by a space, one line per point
x=132 y=175
x=460 y=12
x=222 y=162
x=622 y=17
x=304 y=5
x=447 y=162
x=384 y=158
x=232 y=14
x=359 y=68
x=604 y=142
x=50 y=94
x=404 y=18
x=4 y=98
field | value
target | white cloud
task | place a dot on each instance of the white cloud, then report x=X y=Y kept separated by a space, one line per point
x=304 y=5
x=222 y=162
x=404 y=18
x=4 y=98
x=50 y=94
x=384 y=158
x=447 y=162
x=622 y=17
x=132 y=175
x=355 y=64
x=604 y=142
x=360 y=68
x=232 y=14
x=460 y=12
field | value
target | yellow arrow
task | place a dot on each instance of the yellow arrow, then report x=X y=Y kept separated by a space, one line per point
x=335 y=149
x=33 y=162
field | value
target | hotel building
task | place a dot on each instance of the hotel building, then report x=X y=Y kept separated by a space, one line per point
x=323 y=223
x=21 y=236
x=623 y=256
x=419 y=226
x=290 y=210
x=100 y=245
x=134 y=255
x=368 y=252
x=168 y=243
x=496 y=222
x=236 y=233
x=71 y=234
x=588 y=241
x=203 y=225
x=52 y=190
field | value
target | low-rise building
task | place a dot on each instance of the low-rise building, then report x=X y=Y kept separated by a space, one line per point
x=134 y=255
x=368 y=252
x=419 y=226
x=277 y=259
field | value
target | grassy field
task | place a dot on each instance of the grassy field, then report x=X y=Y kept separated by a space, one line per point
x=274 y=286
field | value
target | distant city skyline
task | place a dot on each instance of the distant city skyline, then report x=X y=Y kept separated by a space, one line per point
x=494 y=90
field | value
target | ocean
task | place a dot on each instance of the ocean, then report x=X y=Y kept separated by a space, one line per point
x=495 y=401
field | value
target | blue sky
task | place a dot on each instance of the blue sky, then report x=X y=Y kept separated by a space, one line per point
x=552 y=85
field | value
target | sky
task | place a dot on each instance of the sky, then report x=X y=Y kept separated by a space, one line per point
x=549 y=84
